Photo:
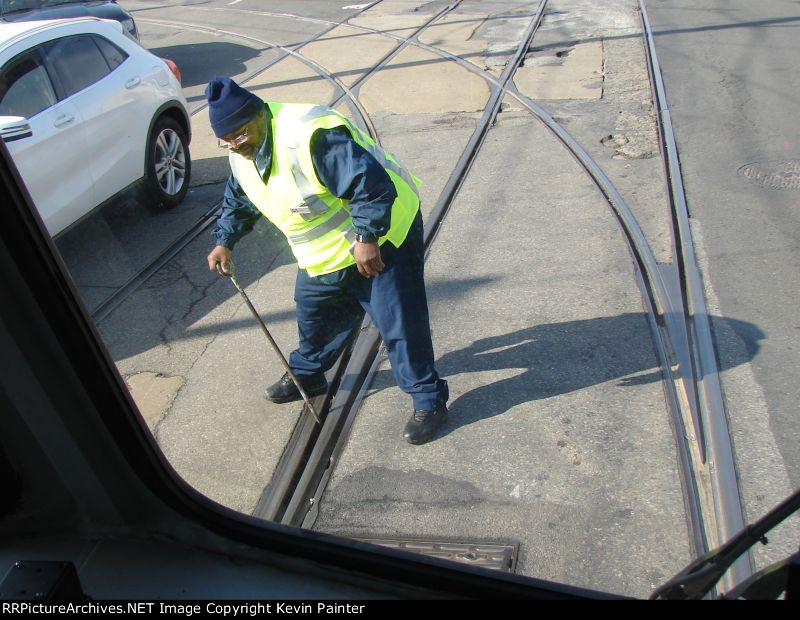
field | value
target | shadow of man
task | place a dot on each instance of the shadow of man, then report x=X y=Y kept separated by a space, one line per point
x=559 y=358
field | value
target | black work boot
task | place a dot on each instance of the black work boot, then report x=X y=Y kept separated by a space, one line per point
x=423 y=425
x=285 y=391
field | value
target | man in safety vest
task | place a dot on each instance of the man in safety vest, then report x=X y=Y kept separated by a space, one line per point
x=350 y=212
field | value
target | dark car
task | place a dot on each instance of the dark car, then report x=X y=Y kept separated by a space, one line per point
x=26 y=10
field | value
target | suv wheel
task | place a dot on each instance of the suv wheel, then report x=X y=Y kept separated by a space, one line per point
x=168 y=165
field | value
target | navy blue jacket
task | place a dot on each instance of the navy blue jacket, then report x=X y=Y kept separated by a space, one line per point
x=342 y=165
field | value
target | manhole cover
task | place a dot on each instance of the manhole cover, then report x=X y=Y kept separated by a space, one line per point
x=486 y=555
x=783 y=174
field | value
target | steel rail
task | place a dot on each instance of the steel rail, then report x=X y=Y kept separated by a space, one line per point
x=301 y=509
x=727 y=506
x=659 y=295
x=106 y=307
x=664 y=303
x=656 y=290
x=285 y=52
x=118 y=297
x=284 y=49
x=404 y=42
x=668 y=333
x=292 y=50
x=299 y=469
x=667 y=328
x=661 y=299
x=115 y=299
x=273 y=499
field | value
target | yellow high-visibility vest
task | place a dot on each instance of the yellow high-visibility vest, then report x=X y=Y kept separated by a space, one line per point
x=317 y=223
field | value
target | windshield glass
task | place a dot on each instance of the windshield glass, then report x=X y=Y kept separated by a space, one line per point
x=433 y=275
x=15 y=6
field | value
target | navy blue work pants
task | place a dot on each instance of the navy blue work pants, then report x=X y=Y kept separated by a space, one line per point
x=330 y=307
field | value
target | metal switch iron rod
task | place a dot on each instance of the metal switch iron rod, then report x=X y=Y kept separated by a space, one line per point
x=232 y=276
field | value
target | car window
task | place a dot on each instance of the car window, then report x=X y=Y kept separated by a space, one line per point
x=12 y=6
x=77 y=62
x=114 y=55
x=25 y=88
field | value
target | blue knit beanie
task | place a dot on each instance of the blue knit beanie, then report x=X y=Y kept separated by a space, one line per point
x=230 y=106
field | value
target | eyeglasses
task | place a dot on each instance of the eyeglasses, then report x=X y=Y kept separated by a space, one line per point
x=234 y=143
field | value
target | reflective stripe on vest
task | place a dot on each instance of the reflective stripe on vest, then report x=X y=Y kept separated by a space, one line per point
x=378 y=153
x=333 y=222
x=312 y=204
x=316 y=223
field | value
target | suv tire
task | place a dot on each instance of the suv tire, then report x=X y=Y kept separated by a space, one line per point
x=168 y=165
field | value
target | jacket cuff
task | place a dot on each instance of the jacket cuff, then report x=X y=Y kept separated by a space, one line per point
x=366 y=232
x=223 y=240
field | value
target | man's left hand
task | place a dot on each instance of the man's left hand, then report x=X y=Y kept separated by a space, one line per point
x=368 y=258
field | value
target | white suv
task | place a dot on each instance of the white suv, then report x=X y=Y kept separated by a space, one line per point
x=86 y=113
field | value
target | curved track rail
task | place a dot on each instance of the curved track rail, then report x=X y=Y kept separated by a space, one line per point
x=715 y=451
x=113 y=301
x=673 y=315
x=304 y=500
x=672 y=295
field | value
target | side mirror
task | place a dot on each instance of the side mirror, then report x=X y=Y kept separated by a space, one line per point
x=14 y=128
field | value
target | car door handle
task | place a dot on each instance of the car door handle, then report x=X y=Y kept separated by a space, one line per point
x=63 y=120
x=133 y=82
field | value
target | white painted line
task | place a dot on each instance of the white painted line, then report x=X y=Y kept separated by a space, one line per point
x=234 y=2
x=355 y=6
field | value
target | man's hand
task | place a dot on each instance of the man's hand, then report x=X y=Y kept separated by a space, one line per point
x=220 y=254
x=368 y=258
